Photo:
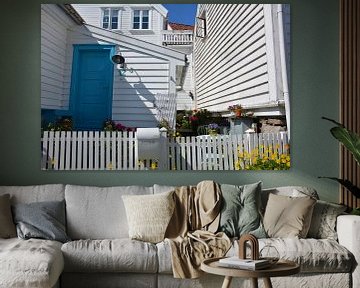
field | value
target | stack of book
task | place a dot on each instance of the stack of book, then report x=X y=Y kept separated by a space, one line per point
x=248 y=264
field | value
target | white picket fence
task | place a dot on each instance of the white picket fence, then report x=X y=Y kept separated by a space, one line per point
x=95 y=150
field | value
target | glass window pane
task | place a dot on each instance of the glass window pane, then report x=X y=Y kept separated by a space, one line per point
x=106 y=12
x=136 y=25
x=145 y=26
x=114 y=13
x=136 y=13
x=105 y=25
x=145 y=13
x=114 y=25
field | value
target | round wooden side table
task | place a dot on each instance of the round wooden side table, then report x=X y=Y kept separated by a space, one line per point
x=281 y=268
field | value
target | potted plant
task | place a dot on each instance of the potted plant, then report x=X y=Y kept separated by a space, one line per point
x=213 y=129
x=351 y=141
x=236 y=109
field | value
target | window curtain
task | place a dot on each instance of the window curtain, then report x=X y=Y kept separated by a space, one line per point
x=349 y=91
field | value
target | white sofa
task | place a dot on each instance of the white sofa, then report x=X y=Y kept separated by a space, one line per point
x=101 y=254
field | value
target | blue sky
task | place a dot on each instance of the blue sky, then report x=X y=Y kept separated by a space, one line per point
x=181 y=13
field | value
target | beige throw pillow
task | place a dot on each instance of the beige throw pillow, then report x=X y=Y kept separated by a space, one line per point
x=149 y=215
x=7 y=226
x=288 y=217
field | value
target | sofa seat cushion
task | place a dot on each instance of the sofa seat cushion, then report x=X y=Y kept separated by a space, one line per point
x=313 y=255
x=30 y=263
x=110 y=255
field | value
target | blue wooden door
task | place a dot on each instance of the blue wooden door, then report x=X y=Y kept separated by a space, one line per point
x=91 y=87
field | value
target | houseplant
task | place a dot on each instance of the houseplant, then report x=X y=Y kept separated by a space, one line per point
x=351 y=141
x=236 y=109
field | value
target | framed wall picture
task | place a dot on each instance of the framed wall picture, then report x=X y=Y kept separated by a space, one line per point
x=165 y=87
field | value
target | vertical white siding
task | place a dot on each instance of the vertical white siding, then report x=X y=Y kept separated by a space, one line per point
x=54 y=25
x=231 y=63
x=92 y=14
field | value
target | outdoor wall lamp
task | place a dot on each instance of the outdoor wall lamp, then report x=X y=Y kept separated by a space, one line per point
x=119 y=60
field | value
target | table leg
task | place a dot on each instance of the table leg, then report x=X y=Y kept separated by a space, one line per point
x=254 y=282
x=227 y=282
x=267 y=283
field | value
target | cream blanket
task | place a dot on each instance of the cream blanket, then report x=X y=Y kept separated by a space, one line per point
x=191 y=231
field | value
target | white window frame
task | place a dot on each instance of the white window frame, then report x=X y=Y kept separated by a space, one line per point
x=110 y=10
x=141 y=19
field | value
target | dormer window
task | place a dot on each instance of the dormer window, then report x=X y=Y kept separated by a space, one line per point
x=141 y=19
x=110 y=19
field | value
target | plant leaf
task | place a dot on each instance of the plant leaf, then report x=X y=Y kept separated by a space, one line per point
x=348 y=138
x=347 y=184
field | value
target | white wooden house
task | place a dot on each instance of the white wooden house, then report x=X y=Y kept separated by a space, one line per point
x=78 y=78
x=241 y=56
x=148 y=22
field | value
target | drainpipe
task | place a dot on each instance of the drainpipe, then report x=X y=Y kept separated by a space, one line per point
x=284 y=74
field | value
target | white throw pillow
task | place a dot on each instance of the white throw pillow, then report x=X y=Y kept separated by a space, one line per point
x=149 y=215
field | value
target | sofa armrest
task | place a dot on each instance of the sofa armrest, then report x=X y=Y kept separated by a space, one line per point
x=348 y=230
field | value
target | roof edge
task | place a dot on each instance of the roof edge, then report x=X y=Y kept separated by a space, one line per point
x=74 y=15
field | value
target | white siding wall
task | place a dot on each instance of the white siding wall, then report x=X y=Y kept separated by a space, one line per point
x=287 y=26
x=133 y=94
x=92 y=14
x=231 y=62
x=54 y=25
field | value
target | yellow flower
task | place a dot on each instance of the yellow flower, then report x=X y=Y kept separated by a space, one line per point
x=241 y=155
x=110 y=166
x=283 y=156
x=237 y=165
x=247 y=167
x=283 y=160
x=287 y=158
x=288 y=164
x=277 y=161
x=154 y=165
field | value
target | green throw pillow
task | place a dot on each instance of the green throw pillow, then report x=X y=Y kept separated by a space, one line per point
x=240 y=213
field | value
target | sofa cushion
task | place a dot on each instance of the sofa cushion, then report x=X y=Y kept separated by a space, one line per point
x=30 y=263
x=149 y=215
x=34 y=193
x=43 y=220
x=98 y=213
x=323 y=222
x=287 y=216
x=240 y=212
x=290 y=191
x=7 y=226
x=117 y=255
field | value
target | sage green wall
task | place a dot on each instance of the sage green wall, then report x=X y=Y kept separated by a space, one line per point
x=314 y=93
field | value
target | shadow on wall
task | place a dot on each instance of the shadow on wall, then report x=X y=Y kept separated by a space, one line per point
x=133 y=102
